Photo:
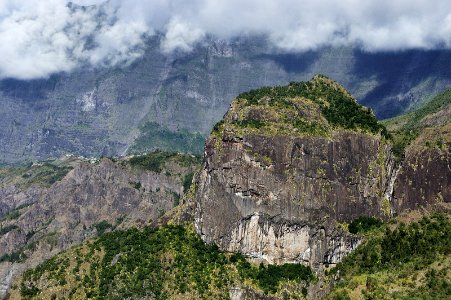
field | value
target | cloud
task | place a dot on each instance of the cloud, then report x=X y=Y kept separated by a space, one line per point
x=180 y=35
x=39 y=38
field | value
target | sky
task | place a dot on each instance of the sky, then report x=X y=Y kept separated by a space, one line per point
x=42 y=37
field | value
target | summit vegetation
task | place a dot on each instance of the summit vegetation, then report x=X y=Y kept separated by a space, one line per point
x=312 y=107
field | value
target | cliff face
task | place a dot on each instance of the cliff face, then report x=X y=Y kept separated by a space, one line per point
x=425 y=174
x=277 y=191
x=90 y=199
x=425 y=177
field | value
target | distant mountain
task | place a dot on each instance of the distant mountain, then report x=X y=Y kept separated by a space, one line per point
x=172 y=101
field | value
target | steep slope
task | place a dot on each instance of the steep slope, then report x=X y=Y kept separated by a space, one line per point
x=423 y=140
x=287 y=165
x=398 y=261
x=42 y=216
x=170 y=101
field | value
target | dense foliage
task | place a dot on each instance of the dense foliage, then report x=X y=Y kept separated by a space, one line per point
x=187 y=180
x=8 y=228
x=154 y=136
x=268 y=277
x=337 y=106
x=155 y=263
x=364 y=224
x=420 y=240
x=45 y=174
x=400 y=256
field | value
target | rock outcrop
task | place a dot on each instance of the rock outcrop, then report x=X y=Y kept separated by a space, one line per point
x=278 y=177
x=425 y=174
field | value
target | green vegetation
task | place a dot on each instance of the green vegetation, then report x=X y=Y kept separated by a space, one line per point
x=250 y=124
x=217 y=126
x=46 y=174
x=364 y=224
x=410 y=262
x=187 y=180
x=15 y=213
x=337 y=106
x=154 y=136
x=102 y=226
x=16 y=256
x=8 y=228
x=156 y=263
x=437 y=103
x=156 y=161
x=269 y=277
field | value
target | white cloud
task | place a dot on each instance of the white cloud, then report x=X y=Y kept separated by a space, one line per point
x=39 y=38
x=180 y=35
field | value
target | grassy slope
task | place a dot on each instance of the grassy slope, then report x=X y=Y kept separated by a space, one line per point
x=430 y=125
x=43 y=174
x=416 y=119
x=399 y=261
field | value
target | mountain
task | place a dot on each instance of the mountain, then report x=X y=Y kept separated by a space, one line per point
x=301 y=193
x=48 y=207
x=293 y=172
x=284 y=167
x=172 y=101
x=172 y=262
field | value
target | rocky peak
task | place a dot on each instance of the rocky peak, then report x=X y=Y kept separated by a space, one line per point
x=286 y=166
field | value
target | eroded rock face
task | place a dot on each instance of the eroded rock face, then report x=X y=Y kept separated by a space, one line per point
x=425 y=174
x=243 y=293
x=280 y=174
x=90 y=199
x=275 y=241
x=279 y=198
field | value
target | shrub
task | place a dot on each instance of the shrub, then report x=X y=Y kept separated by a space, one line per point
x=364 y=224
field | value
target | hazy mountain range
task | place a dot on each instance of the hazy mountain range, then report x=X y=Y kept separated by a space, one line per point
x=171 y=101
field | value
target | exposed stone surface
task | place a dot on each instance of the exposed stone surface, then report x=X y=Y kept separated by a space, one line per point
x=278 y=194
x=425 y=174
x=274 y=241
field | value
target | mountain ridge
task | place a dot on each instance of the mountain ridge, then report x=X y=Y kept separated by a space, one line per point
x=95 y=112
